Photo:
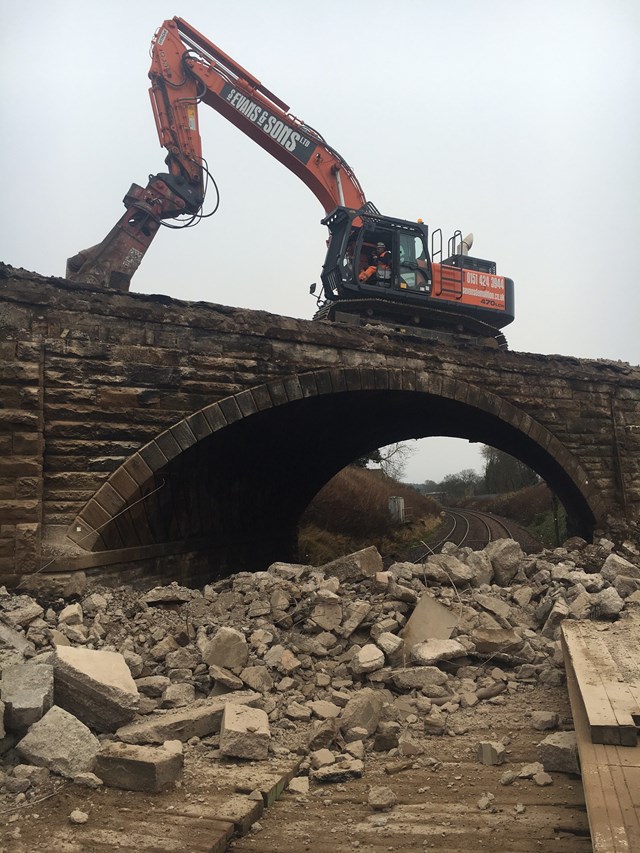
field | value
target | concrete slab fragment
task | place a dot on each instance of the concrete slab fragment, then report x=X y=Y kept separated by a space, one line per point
x=430 y=620
x=200 y=719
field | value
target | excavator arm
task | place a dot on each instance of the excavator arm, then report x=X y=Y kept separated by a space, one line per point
x=188 y=69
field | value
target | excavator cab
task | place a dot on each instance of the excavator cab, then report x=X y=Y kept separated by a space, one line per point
x=459 y=298
x=351 y=268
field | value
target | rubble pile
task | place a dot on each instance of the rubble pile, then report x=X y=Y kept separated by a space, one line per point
x=325 y=663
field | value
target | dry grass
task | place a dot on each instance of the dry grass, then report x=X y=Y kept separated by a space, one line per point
x=351 y=512
x=523 y=506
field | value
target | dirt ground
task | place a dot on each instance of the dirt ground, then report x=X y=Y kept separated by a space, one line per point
x=437 y=800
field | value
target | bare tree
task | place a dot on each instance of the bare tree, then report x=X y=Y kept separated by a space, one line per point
x=394 y=459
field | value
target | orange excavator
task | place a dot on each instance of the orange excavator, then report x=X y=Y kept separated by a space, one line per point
x=414 y=286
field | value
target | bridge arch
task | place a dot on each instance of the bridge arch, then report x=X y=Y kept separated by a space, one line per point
x=232 y=479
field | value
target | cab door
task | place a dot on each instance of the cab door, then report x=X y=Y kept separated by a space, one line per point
x=414 y=269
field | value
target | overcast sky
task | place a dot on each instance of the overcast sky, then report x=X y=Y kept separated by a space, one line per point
x=516 y=120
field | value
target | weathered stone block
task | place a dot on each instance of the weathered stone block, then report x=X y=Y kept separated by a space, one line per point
x=429 y=679
x=362 y=711
x=506 y=556
x=491 y=752
x=616 y=565
x=341 y=771
x=368 y=659
x=227 y=648
x=200 y=719
x=361 y=564
x=244 y=733
x=27 y=691
x=61 y=743
x=558 y=752
x=432 y=651
x=490 y=641
x=138 y=768
x=95 y=686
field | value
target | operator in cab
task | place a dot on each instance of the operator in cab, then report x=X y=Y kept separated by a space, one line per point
x=379 y=270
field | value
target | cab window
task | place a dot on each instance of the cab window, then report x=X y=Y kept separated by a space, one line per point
x=413 y=263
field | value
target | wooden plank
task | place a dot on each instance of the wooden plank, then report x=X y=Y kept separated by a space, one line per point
x=605 y=837
x=607 y=700
x=610 y=778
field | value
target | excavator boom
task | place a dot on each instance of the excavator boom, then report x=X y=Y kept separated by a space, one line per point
x=188 y=69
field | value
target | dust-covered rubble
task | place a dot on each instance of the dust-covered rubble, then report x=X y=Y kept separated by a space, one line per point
x=325 y=664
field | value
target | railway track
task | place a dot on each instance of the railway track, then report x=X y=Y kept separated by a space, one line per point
x=465 y=527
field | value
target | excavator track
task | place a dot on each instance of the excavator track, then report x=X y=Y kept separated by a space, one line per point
x=401 y=317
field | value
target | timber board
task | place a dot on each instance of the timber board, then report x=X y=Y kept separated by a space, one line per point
x=610 y=772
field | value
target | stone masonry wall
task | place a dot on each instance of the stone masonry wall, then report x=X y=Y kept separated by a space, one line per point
x=21 y=454
x=89 y=376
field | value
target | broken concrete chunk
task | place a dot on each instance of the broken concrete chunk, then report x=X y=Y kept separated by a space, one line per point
x=381 y=798
x=491 y=752
x=558 y=753
x=559 y=612
x=14 y=640
x=20 y=610
x=368 y=659
x=355 y=613
x=27 y=692
x=480 y=563
x=491 y=641
x=257 y=678
x=607 y=604
x=455 y=571
x=420 y=678
x=341 y=771
x=321 y=758
x=152 y=685
x=626 y=586
x=244 y=733
x=506 y=556
x=71 y=615
x=327 y=613
x=432 y=651
x=225 y=678
x=178 y=695
x=299 y=785
x=61 y=743
x=430 y=620
x=324 y=710
x=493 y=604
x=544 y=720
x=615 y=565
x=528 y=771
x=362 y=711
x=96 y=686
x=361 y=564
x=171 y=594
x=228 y=648
x=78 y=817
x=138 y=768
x=398 y=592
x=390 y=644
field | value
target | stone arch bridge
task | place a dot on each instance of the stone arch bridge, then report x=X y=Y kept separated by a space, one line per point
x=145 y=435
